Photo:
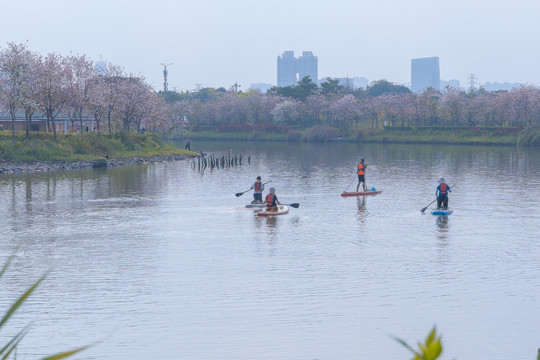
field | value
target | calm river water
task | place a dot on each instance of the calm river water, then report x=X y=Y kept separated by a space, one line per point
x=164 y=262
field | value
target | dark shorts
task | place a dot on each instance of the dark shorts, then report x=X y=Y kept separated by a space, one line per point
x=361 y=178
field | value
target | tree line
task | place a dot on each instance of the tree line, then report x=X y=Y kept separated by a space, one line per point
x=382 y=103
x=53 y=85
x=71 y=87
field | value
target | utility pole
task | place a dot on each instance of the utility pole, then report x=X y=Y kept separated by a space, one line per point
x=236 y=86
x=472 y=82
x=165 y=73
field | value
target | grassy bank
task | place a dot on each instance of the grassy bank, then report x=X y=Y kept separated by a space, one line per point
x=421 y=135
x=237 y=136
x=82 y=147
x=434 y=135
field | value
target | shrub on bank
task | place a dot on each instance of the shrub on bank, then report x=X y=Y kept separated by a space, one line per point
x=294 y=135
x=530 y=136
x=321 y=133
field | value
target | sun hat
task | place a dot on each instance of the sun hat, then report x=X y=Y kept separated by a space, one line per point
x=272 y=190
x=441 y=180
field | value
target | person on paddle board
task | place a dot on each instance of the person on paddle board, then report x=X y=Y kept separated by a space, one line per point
x=271 y=200
x=361 y=175
x=442 y=194
x=258 y=188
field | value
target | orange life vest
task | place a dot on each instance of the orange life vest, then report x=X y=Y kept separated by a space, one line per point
x=444 y=189
x=361 y=169
x=270 y=199
x=258 y=185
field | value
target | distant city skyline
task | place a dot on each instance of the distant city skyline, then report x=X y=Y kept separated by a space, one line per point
x=291 y=69
x=218 y=44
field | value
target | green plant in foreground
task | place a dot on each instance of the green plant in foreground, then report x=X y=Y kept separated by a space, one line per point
x=430 y=350
x=11 y=346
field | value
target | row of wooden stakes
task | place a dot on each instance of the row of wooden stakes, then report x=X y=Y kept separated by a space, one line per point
x=223 y=161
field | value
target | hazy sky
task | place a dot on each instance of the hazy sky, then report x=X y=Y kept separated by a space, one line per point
x=217 y=43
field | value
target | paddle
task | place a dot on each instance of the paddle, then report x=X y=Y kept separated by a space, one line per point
x=294 y=205
x=424 y=209
x=242 y=193
x=349 y=184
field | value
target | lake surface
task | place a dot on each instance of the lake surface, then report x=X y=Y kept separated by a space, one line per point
x=164 y=262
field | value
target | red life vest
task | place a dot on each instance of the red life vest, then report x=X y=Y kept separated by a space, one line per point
x=444 y=189
x=270 y=199
x=361 y=169
x=258 y=185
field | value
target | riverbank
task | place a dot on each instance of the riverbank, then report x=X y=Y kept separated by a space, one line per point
x=45 y=166
x=413 y=135
x=75 y=151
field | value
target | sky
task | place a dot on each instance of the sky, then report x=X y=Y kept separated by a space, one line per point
x=220 y=43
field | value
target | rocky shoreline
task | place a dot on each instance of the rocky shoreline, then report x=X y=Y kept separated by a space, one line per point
x=7 y=167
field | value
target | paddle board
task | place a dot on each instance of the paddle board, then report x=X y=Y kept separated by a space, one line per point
x=442 y=212
x=361 y=193
x=255 y=205
x=282 y=210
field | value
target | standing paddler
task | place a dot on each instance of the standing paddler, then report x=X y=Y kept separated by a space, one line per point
x=258 y=188
x=361 y=175
x=442 y=194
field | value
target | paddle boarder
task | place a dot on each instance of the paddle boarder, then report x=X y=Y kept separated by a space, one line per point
x=442 y=194
x=258 y=188
x=361 y=175
x=271 y=200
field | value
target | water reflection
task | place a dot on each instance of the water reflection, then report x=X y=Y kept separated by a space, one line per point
x=361 y=206
x=163 y=249
x=442 y=226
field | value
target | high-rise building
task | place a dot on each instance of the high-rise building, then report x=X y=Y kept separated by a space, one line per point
x=425 y=73
x=286 y=69
x=308 y=65
x=291 y=69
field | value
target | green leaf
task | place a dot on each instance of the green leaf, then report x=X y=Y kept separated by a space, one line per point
x=66 y=354
x=402 y=342
x=433 y=350
x=431 y=336
x=14 y=341
x=6 y=265
x=19 y=302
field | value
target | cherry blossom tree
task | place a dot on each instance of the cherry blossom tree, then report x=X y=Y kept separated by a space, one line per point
x=452 y=105
x=134 y=102
x=15 y=70
x=79 y=80
x=286 y=112
x=52 y=87
x=344 y=112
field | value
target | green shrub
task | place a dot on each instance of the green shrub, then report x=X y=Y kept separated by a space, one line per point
x=321 y=133
x=530 y=136
x=294 y=135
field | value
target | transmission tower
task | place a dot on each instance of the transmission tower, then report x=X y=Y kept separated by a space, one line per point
x=165 y=73
x=472 y=81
